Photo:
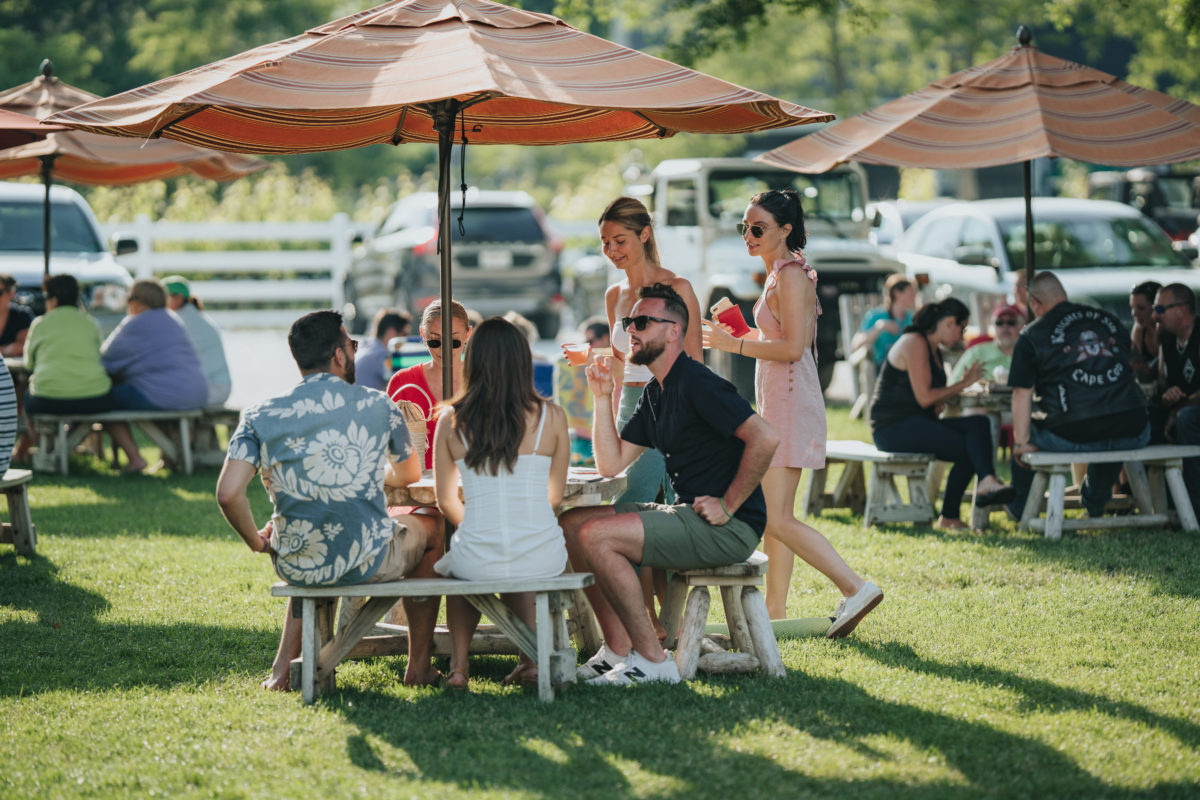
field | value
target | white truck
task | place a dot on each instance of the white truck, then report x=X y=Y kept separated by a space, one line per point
x=697 y=204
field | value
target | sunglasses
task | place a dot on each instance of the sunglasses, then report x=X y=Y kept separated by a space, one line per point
x=434 y=344
x=353 y=343
x=639 y=322
x=1163 y=309
x=1005 y=322
x=756 y=231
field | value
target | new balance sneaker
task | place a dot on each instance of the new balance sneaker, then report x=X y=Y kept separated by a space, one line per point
x=599 y=664
x=852 y=609
x=637 y=668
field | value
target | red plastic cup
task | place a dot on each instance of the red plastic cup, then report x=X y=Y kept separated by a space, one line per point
x=729 y=314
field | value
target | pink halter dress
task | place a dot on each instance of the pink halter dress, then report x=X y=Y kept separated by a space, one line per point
x=788 y=393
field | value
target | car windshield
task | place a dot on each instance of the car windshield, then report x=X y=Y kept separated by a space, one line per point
x=1090 y=242
x=497 y=224
x=832 y=196
x=21 y=228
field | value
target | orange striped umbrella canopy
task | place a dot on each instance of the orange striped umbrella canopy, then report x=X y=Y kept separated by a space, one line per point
x=18 y=129
x=1019 y=107
x=516 y=77
x=103 y=160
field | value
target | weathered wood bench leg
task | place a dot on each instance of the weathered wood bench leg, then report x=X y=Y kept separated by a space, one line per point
x=766 y=649
x=545 y=647
x=588 y=637
x=873 y=499
x=735 y=619
x=1033 y=503
x=1158 y=487
x=309 y=647
x=1139 y=486
x=814 y=494
x=63 y=449
x=562 y=657
x=185 y=444
x=918 y=496
x=1178 y=489
x=1054 y=505
x=672 y=609
x=851 y=490
x=20 y=521
x=691 y=630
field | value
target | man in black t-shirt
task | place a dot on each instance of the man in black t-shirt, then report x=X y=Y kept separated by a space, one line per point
x=1073 y=390
x=1179 y=372
x=716 y=450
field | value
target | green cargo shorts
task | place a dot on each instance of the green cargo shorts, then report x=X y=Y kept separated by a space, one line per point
x=678 y=538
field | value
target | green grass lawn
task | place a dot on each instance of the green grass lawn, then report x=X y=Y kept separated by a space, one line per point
x=1000 y=664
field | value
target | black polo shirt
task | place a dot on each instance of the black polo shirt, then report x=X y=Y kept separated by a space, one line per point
x=691 y=419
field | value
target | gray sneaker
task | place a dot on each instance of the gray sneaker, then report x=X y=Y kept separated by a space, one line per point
x=639 y=669
x=600 y=664
x=852 y=609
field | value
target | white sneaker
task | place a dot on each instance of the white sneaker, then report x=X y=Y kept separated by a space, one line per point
x=639 y=669
x=852 y=609
x=599 y=664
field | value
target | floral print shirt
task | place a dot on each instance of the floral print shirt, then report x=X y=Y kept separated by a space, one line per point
x=323 y=450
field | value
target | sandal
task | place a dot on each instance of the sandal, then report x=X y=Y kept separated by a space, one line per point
x=466 y=680
x=525 y=674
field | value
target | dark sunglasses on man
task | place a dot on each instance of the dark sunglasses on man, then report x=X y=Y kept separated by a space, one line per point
x=640 y=322
x=1163 y=309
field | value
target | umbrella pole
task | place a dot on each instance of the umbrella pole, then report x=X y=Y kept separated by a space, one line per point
x=443 y=123
x=1027 y=168
x=47 y=168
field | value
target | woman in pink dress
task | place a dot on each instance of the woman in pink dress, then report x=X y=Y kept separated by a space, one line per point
x=788 y=395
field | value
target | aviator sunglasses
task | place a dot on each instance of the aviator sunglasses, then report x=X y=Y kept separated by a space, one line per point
x=434 y=344
x=1163 y=309
x=756 y=231
x=640 y=321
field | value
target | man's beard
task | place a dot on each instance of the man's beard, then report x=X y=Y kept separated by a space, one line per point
x=648 y=353
x=349 y=370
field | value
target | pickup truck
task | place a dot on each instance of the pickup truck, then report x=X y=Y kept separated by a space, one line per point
x=697 y=204
x=77 y=247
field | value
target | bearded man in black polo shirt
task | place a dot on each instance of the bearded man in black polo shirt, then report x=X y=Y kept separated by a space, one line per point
x=1072 y=363
x=716 y=449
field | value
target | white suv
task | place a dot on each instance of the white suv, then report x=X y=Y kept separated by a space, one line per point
x=77 y=248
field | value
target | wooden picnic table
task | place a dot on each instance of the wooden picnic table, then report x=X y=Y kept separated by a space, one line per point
x=585 y=487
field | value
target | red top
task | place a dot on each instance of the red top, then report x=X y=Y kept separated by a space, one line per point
x=410 y=384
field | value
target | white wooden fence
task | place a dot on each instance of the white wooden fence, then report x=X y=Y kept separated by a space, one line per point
x=257 y=296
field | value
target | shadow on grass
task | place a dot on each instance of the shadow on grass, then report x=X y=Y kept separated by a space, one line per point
x=674 y=741
x=61 y=643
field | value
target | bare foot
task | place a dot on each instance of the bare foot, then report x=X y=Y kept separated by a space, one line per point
x=949 y=524
x=458 y=679
x=134 y=467
x=277 y=683
x=526 y=674
x=415 y=676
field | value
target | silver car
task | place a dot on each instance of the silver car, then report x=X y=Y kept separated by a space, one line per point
x=1098 y=249
x=505 y=258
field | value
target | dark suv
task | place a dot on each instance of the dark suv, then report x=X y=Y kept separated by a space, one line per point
x=507 y=259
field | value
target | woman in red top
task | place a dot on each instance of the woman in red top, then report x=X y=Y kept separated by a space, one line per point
x=422 y=383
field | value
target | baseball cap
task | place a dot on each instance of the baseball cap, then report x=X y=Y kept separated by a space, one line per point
x=1007 y=310
x=177 y=284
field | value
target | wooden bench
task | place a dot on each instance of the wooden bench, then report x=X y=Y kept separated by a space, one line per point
x=207 y=450
x=59 y=434
x=745 y=613
x=19 y=530
x=1153 y=472
x=876 y=497
x=321 y=651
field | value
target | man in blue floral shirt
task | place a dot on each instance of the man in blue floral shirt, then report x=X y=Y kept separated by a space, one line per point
x=326 y=449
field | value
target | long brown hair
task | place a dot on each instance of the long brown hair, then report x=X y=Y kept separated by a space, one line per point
x=497 y=394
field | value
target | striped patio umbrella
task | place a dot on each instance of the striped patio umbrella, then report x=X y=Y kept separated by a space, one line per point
x=1019 y=107
x=18 y=129
x=99 y=160
x=413 y=70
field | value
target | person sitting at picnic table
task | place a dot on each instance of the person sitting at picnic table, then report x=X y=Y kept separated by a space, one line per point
x=422 y=383
x=204 y=335
x=909 y=394
x=511 y=450
x=995 y=354
x=1143 y=334
x=1179 y=373
x=716 y=450
x=1072 y=362
x=152 y=363
x=373 y=362
x=15 y=319
x=62 y=354
x=881 y=327
x=326 y=449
